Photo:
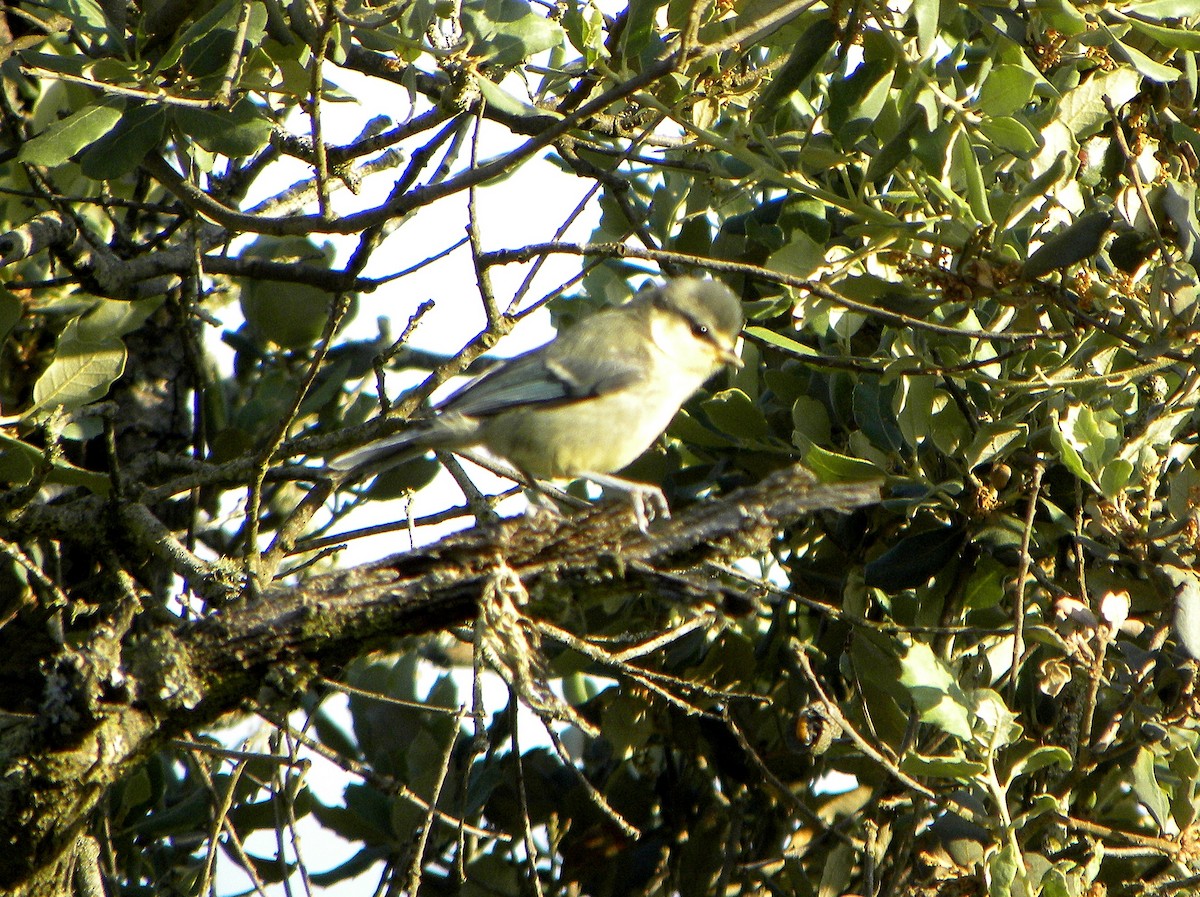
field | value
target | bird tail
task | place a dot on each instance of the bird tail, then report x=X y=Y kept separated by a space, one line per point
x=376 y=457
x=447 y=431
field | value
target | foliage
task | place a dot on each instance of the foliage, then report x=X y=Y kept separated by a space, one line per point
x=967 y=239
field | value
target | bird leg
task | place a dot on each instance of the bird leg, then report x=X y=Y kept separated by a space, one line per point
x=648 y=501
x=544 y=497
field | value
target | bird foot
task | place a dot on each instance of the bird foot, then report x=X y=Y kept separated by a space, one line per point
x=648 y=501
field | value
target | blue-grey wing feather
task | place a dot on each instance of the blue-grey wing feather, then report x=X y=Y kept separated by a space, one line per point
x=539 y=379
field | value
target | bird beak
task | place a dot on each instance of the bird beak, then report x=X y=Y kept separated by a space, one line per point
x=731 y=358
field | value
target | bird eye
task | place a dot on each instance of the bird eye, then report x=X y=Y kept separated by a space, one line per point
x=700 y=331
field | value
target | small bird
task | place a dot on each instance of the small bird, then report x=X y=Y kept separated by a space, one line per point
x=588 y=402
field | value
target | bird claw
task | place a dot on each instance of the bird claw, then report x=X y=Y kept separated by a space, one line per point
x=541 y=512
x=648 y=501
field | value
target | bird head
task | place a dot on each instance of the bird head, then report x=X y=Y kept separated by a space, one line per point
x=702 y=317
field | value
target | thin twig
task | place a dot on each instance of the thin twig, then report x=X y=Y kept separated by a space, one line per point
x=594 y=794
x=531 y=852
x=1135 y=176
x=414 y=870
x=834 y=712
x=810 y=815
x=621 y=250
x=281 y=783
x=289 y=530
x=1018 y=649
x=224 y=93
x=220 y=821
x=316 y=90
x=384 y=783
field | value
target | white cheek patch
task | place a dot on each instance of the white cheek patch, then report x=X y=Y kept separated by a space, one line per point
x=669 y=333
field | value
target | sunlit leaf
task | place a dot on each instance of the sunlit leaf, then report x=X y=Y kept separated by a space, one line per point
x=64 y=139
x=1148 y=788
x=81 y=372
x=124 y=146
x=505 y=32
x=935 y=692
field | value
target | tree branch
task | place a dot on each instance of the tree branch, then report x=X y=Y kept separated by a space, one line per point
x=185 y=675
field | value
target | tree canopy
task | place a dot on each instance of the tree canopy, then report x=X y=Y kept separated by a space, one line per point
x=925 y=619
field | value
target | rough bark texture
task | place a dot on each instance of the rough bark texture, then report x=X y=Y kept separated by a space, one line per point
x=118 y=699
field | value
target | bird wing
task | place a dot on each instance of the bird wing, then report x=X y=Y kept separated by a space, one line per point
x=543 y=377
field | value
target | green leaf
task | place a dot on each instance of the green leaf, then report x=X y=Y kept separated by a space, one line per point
x=271 y=870
x=927 y=14
x=1083 y=109
x=65 y=138
x=1187 y=771
x=735 y=414
x=206 y=52
x=404 y=478
x=966 y=166
x=1184 y=485
x=985 y=588
x=831 y=467
x=855 y=101
x=995 y=725
x=291 y=315
x=188 y=817
x=800 y=256
x=806 y=55
x=11 y=311
x=1095 y=433
x=995 y=440
x=836 y=873
x=1062 y=16
x=502 y=101
x=1003 y=867
x=122 y=149
x=113 y=318
x=935 y=692
x=224 y=13
x=626 y=724
x=1147 y=789
x=1115 y=476
x=507 y=32
x=263 y=814
x=639 y=33
x=781 y=342
x=872 y=404
x=81 y=372
x=916 y=408
x=584 y=24
x=1033 y=193
x=1070 y=458
x=18 y=459
x=1007 y=90
x=896 y=151
x=1165 y=9
x=88 y=20
x=1146 y=66
x=1037 y=757
x=1078 y=241
x=70 y=65
x=1177 y=37
x=916 y=559
x=958 y=768
x=1011 y=135
x=810 y=422
x=239 y=131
